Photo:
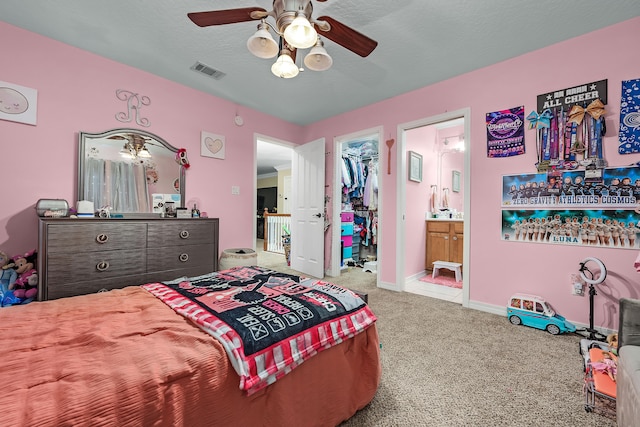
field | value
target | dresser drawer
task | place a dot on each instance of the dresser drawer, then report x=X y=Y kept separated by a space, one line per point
x=181 y=257
x=179 y=232
x=346 y=228
x=94 y=286
x=91 y=237
x=65 y=268
x=438 y=226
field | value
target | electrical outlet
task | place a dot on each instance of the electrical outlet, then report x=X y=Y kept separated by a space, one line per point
x=578 y=289
x=235 y=190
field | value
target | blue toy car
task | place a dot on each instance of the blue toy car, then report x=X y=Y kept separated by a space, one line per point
x=534 y=311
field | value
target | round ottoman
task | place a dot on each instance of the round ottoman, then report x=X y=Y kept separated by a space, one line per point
x=237 y=257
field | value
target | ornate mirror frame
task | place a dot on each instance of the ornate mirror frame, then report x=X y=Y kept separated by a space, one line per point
x=97 y=145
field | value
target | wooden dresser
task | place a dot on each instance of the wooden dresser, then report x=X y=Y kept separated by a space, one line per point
x=81 y=256
x=445 y=242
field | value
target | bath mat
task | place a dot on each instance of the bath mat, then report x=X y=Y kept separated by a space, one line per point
x=442 y=280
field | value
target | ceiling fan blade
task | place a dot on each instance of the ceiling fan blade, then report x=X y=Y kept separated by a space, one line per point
x=221 y=17
x=347 y=37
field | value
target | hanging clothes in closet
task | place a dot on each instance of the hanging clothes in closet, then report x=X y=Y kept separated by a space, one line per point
x=360 y=196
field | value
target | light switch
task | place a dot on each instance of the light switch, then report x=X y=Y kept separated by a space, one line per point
x=235 y=190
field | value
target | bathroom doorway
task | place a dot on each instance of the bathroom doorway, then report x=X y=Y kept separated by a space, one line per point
x=435 y=207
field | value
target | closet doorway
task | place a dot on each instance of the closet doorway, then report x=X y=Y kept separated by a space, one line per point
x=356 y=202
x=435 y=207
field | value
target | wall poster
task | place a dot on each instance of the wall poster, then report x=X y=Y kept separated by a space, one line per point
x=629 y=135
x=505 y=132
x=619 y=188
x=603 y=228
x=566 y=207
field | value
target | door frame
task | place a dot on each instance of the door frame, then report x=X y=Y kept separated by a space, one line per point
x=401 y=198
x=336 y=202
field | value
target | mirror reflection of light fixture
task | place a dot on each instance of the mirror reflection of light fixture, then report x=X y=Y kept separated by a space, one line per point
x=261 y=44
x=318 y=59
x=300 y=33
x=135 y=147
x=284 y=66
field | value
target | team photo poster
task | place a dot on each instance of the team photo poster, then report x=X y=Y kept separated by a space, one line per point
x=619 y=188
x=603 y=228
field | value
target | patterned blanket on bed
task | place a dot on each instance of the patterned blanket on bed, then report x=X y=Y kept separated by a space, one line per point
x=268 y=322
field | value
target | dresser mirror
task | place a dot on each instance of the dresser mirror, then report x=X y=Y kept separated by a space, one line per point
x=129 y=171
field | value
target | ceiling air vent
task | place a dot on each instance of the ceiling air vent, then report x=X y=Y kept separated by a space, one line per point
x=207 y=71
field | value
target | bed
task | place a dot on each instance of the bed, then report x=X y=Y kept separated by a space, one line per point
x=127 y=357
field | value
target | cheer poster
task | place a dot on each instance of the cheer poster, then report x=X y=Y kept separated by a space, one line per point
x=505 y=132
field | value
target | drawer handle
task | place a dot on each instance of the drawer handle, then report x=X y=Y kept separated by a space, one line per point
x=184 y=257
x=102 y=266
x=455 y=238
x=184 y=234
x=446 y=237
x=102 y=238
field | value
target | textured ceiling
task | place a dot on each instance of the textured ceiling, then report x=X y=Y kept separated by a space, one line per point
x=421 y=42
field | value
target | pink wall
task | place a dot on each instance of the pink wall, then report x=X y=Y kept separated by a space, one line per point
x=421 y=140
x=497 y=268
x=76 y=92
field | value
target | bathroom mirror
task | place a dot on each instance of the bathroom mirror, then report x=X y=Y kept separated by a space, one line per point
x=130 y=171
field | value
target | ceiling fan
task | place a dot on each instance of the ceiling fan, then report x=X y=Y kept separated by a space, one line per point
x=136 y=145
x=296 y=30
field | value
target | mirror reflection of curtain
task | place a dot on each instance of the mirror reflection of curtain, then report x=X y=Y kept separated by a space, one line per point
x=120 y=185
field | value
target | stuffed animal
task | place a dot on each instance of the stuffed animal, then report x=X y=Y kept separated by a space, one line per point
x=181 y=158
x=8 y=275
x=25 y=287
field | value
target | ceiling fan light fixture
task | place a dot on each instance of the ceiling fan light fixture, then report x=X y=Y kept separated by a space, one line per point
x=318 y=59
x=144 y=153
x=300 y=33
x=284 y=66
x=262 y=44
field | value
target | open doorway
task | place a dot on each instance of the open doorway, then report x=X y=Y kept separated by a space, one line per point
x=272 y=195
x=356 y=202
x=434 y=220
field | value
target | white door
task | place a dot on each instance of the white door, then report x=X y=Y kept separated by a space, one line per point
x=307 y=213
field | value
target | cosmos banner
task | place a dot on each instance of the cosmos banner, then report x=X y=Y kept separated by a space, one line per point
x=619 y=188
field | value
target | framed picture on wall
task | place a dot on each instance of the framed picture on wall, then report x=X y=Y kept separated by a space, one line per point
x=19 y=103
x=455 y=181
x=212 y=145
x=415 y=166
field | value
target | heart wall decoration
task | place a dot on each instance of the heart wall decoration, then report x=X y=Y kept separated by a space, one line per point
x=212 y=145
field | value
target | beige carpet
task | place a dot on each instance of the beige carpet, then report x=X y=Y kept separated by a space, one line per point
x=444 y=365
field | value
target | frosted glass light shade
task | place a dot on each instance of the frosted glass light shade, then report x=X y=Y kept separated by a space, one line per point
x=284 y=67
x=300 y=33
x=262 y=45
x=318 y=59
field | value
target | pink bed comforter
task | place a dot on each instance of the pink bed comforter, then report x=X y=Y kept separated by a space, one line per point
x=124 y=358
